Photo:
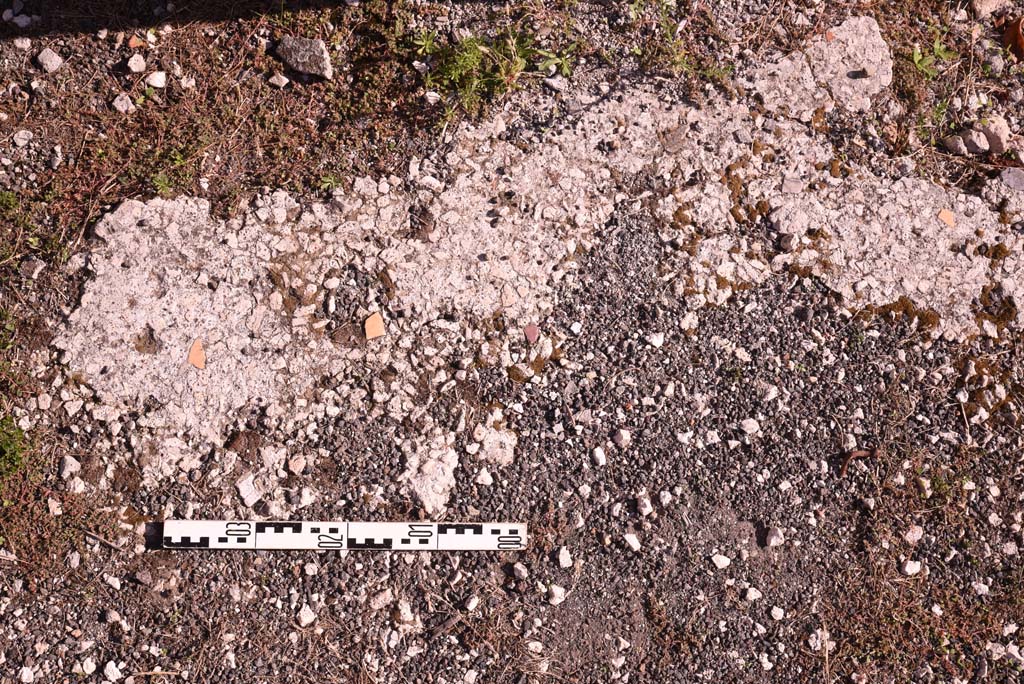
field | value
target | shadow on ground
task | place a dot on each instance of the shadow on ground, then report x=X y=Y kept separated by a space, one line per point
x=82 y=16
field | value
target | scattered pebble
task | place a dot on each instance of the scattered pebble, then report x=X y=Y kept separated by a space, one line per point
x=632 y=541
x=556 y=83
x=911 y=567
x=644 y=505
x=564 y=558
x=123 y=103
x=69 y=466
x=721 y=562
x=306 y=616
x=656 y=340
x=111 y=671
x=556 y=594
x=246 y=487
x=136 y=64
x=157 y=79
x=49 y=60
x=484 y=478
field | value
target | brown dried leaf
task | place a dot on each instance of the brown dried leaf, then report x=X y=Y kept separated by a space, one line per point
x=1013 y=37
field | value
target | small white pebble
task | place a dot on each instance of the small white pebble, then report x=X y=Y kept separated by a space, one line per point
x=644 y=505
x=721 y=562
x=911 y=567
x=632 y=541
x=157 y=79
x=914 y=534
x=306 y=616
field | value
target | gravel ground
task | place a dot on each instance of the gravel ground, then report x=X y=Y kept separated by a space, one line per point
x=719 y=299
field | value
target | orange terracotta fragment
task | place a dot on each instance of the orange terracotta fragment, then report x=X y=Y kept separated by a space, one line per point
x=374 y=326
x=196 y=355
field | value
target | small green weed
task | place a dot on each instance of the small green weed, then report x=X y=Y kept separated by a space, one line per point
x=478 y=69
x=560 y=63
x=7 y=330
x=329 y=182
x=162 y=184
x=425 y=43
x=146 y=94
x=926 y=62
x=8 y=202
x=12 y=447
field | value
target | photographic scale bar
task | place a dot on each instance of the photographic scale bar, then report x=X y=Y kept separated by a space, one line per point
x=353 y=536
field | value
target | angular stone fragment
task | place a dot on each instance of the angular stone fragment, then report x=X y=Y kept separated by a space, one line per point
x=136 y=64
x=306 y=616
x=49 y=60
x=996 y=132
x=246 y=487
x=954 y=144
x=975 y=141
x=306 y=56
x=123 y=103
x=157 y=79
x=68 y=467
x=983 y=9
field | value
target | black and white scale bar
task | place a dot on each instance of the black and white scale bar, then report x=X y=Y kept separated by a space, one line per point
x=353 y=536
